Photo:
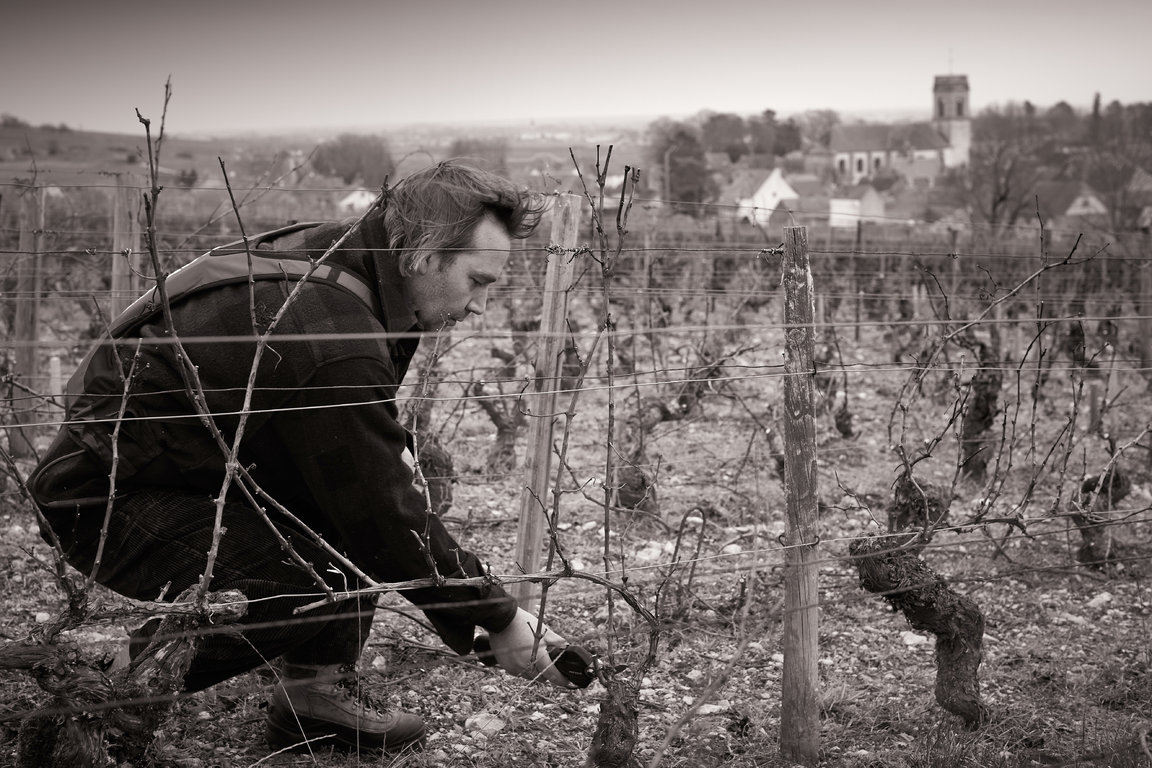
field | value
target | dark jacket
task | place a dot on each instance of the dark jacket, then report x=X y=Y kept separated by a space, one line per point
x=322 y=436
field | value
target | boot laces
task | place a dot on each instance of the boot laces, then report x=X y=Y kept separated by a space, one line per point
x=349 y=683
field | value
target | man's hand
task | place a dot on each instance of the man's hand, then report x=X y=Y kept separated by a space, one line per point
x=512 y=649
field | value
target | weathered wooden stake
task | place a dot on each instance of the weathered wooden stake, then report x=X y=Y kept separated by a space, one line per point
x=56 y=384
x=126 y=251
x=26 y=324
x=954 y=286
x=1145 y=267
x=800 y=715
x=540 y=405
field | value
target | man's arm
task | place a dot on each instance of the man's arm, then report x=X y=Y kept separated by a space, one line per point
x=347 y=446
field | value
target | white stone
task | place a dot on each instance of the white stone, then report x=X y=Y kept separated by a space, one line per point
x=711 y=709
x=485 y=723
x=650 y=553
x=911 y=638
x=1101 y=599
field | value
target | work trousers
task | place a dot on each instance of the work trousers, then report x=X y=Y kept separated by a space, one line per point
x=157 y=547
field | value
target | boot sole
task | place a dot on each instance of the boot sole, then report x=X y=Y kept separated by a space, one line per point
x=300 y=734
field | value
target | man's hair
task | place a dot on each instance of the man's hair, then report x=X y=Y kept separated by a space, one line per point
x=438 y=208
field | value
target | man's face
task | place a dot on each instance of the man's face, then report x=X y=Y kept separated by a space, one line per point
x=441 y=293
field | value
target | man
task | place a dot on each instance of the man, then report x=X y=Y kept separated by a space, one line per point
x=321 y=439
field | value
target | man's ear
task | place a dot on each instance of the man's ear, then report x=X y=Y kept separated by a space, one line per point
x=418 y=261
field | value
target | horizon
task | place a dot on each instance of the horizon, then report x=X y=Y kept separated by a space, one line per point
x=894 y=115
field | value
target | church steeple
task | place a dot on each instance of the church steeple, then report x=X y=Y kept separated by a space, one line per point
x=951 y=96
x=951 y=116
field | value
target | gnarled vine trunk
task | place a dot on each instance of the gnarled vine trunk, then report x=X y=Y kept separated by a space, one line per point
x=911 y=587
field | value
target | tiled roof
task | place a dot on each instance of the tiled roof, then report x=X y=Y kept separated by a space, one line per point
x=856 y=138
x=879 y=137
x=744 y=183
x=1140 y=182
x=1056 y=197
x=806 y=184
x=916 y=136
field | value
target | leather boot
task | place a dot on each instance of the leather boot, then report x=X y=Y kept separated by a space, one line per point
x=325 y=704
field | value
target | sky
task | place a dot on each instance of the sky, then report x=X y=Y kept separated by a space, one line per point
x=279 y=65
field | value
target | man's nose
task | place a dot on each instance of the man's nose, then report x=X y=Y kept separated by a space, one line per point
x=478 y=303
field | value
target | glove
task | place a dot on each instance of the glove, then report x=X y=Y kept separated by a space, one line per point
x=512 y=650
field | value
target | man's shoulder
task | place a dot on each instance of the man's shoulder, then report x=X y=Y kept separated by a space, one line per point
x=311 y=237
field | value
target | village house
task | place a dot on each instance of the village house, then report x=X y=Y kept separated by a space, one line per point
x=1068 y=204
x=764 y=191
x=1132 y=203
x=852 y=205
x=1139 y=190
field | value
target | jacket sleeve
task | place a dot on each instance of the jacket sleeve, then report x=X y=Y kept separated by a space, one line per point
x=348 y=447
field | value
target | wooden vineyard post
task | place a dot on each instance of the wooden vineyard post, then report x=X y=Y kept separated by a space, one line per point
x=954 y=285
x=26 y=323
x=125 y=245
x=541 y=402
x=1144 y=264
x=857 y=254
x=800 y=715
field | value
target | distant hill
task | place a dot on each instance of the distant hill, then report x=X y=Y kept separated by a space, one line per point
x=63 y=156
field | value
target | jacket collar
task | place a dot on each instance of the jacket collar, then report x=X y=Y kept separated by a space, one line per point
x=396 y=314
x=366 y=253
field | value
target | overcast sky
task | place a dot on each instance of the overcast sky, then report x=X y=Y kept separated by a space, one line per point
x=269 y=65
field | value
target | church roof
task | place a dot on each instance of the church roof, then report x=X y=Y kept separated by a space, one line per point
x=857 y=138
x=916 y=136
x=876 y=137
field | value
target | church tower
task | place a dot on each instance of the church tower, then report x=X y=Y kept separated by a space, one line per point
x=951 y=117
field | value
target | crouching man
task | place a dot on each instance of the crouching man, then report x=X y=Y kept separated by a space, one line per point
x=321 y=438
